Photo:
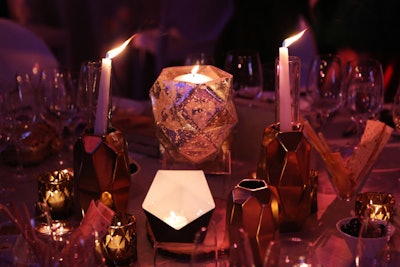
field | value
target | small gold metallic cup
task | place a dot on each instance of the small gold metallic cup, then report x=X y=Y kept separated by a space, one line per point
x=119 y=245
x=56 y=191
x=375 y=205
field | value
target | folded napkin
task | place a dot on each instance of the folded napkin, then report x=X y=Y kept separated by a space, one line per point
x=347 y=174
x=79 y=249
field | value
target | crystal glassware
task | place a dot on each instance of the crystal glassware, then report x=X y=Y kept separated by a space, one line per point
x=291 y=251
x=245 y=66
x=324 y=86
x=61 y=108
x=364 y=90
x=20 y=112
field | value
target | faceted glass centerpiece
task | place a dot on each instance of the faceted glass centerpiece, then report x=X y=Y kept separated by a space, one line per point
x=194 y=112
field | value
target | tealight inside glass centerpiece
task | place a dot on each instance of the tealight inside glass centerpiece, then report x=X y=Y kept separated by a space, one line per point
x=194 y=114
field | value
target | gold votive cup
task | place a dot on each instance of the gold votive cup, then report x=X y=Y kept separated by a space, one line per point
x=375 y=205
x=56 y=193
x=119 y=245
x=253 y=206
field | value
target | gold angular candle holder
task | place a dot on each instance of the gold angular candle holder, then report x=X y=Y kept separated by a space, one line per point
x=101 y=168
x=253 y=206
x=284 y=164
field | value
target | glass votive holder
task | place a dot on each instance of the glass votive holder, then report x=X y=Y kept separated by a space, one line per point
x=56 y=192
x=376 y=205
x=119 y=245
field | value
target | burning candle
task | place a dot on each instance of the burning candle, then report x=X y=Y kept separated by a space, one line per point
x=55 y=199
x=175 y=221
x=285 y=113
x=103 y=101
x=375 y=205
x=193 y=77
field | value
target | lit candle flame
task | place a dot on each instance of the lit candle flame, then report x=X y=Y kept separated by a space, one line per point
x=195 y=69
x=172 y=213
x=116 y=51
x=288 y=41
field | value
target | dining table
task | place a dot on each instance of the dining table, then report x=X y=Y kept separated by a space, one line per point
x=253 y=116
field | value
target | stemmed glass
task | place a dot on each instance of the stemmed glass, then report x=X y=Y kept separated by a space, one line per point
x=396 y=110
x=291 y=251
x=60 y=105
x=199 y=59
x=20 y=111
x=365 y=91
x=88 y=84
x=245 y=66
x=324 y=86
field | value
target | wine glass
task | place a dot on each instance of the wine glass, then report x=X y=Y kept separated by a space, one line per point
x=396 y=110
x=20 y=111
x=61 y=107
x=88 y=85
x=199 y=59
x=245 y=66
x=290 y=251
x=324 y=86
x=365 y=91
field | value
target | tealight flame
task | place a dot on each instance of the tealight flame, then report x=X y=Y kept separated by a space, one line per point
x=195 y=69
x=116 y=51
x=288 y=41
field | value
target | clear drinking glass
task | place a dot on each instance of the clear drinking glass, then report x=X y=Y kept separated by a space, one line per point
x=291 y=251
x=88 y=85
x=245 y=66
x=365 y=91
x=20 y=111
x=324 y=86
x=396 y=110
x=199 y=59
x=61 y=107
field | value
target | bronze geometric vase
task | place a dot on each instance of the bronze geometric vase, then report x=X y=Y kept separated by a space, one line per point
x=284 y=164
x=253 y=206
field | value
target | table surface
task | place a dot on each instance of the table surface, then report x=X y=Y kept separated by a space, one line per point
x=319 y=228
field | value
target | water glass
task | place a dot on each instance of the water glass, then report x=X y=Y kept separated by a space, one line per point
x=365 y=90
x=324 y=86
x=245 y=66
x=289 y=252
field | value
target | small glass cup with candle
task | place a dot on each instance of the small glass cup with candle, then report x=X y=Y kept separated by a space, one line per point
x=56 y=191
x=376 y=205
x=119 y=245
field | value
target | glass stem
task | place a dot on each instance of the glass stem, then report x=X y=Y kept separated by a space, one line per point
x=20 y=166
